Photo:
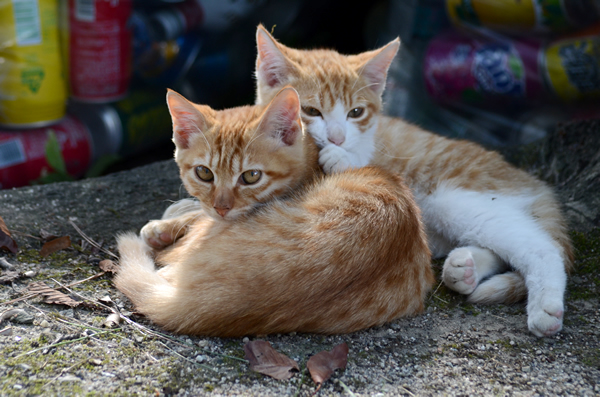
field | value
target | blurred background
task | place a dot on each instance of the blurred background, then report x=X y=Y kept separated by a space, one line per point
x=82 y=82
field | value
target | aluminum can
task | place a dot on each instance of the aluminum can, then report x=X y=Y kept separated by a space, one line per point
x=23 y=156
x=100 y=49
x=523 y=15
x=459 y=67
x=32 y=85
x=572 y=68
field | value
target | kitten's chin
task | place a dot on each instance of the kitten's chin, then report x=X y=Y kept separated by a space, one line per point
x=229 y=217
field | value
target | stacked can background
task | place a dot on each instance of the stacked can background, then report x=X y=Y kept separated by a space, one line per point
x=572 y=68
x=23 y=156
x=32 y=85
x=100 y=49
x=458 y=67
x=523 y=15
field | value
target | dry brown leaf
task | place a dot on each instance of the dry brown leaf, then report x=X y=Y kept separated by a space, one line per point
x=47 y=236
x=322 y=365
x=108 y=266
x=9 y=276
x=266 y=360
x=51 y=295
x=55 y=245
x=6 y=240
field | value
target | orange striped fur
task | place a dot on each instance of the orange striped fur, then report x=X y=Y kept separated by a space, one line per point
x=339 y=254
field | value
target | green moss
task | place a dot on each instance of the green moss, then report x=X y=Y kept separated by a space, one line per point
x=587 y=265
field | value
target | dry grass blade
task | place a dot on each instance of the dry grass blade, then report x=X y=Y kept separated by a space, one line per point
x=6 y=240
x=266 y=360
x=57 y=244
x=322 y=365
x=51 y=295
x=89 y=240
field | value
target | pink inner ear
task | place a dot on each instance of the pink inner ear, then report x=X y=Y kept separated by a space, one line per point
x=270 y=63
x=182 y=129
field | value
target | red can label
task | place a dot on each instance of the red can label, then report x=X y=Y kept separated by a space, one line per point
x=23 y=156
x=100 y=49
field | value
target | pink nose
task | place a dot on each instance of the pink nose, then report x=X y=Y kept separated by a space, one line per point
x=222 y=211
x=336 y=139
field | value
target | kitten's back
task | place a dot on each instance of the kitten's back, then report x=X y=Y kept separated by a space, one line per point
x=348 y=254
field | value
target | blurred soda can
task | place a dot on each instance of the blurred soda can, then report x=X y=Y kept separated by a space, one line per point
x=32 y=85
x=572 y=68
x=459 y=67
x=23 y=156
x=523 y=15
x=100 y=49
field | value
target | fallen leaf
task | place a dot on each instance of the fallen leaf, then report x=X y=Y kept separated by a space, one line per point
x=47 y=236
x=51 y=295
x=108 y=266
x=55 y=245
x=266 y=360
x=112 y=320
x=9 y=276
x=322 y=365
x=6 y=240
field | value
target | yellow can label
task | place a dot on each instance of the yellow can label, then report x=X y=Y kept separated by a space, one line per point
x=509 y=15
x=573 y=68
x=32 y=85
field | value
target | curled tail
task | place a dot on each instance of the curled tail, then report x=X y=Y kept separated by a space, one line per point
x=138 y=279
x=507 y=287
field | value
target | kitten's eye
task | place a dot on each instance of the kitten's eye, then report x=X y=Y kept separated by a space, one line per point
x=204 y=173
x=251 y=176
x=312 y=112
x=356 y=113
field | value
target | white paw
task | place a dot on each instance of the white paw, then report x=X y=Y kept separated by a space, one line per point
x=334 y=159
x=181 y=207
x=545 y=314
x=158 y=234
x=459 y=272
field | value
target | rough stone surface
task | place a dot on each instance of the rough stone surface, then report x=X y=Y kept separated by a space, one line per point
x=454 y=348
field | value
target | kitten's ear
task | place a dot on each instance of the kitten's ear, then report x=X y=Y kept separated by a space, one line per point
x=281 y=119
x=187 y=119
x=375 y=69
x=272 y=67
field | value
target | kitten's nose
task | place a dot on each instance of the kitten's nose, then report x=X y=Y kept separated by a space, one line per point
x=336 y=135
x=222 y=211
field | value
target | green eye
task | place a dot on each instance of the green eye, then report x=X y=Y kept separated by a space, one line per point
x=204 y=173
x=356 y=113
x=251 y=176
x=312 y=112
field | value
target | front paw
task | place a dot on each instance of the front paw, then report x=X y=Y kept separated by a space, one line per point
x=545 y=314
x=459 y=272
x=159 y=234
x=334 y=159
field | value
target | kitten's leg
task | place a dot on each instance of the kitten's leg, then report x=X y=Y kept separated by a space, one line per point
x=507 y=287
x=504 y=224
x=173 y=225
x=465 y=267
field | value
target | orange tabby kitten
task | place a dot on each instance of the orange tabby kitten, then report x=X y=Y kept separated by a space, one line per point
x=500 y=228
x=339 y=254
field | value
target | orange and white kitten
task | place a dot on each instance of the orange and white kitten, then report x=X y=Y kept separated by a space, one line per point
x=340 y=253
x=501 y=229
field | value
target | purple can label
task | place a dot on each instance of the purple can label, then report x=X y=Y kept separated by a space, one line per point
x=462 y=68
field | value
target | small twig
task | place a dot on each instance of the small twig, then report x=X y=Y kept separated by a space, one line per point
x=406 y=390
x=26 y=235
x=187 y=359
x=61 y=343
x=436 y=290
x=347 y=389
x=32 y=295
x=89 y=240
x=437 y=297
x=64 y=370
